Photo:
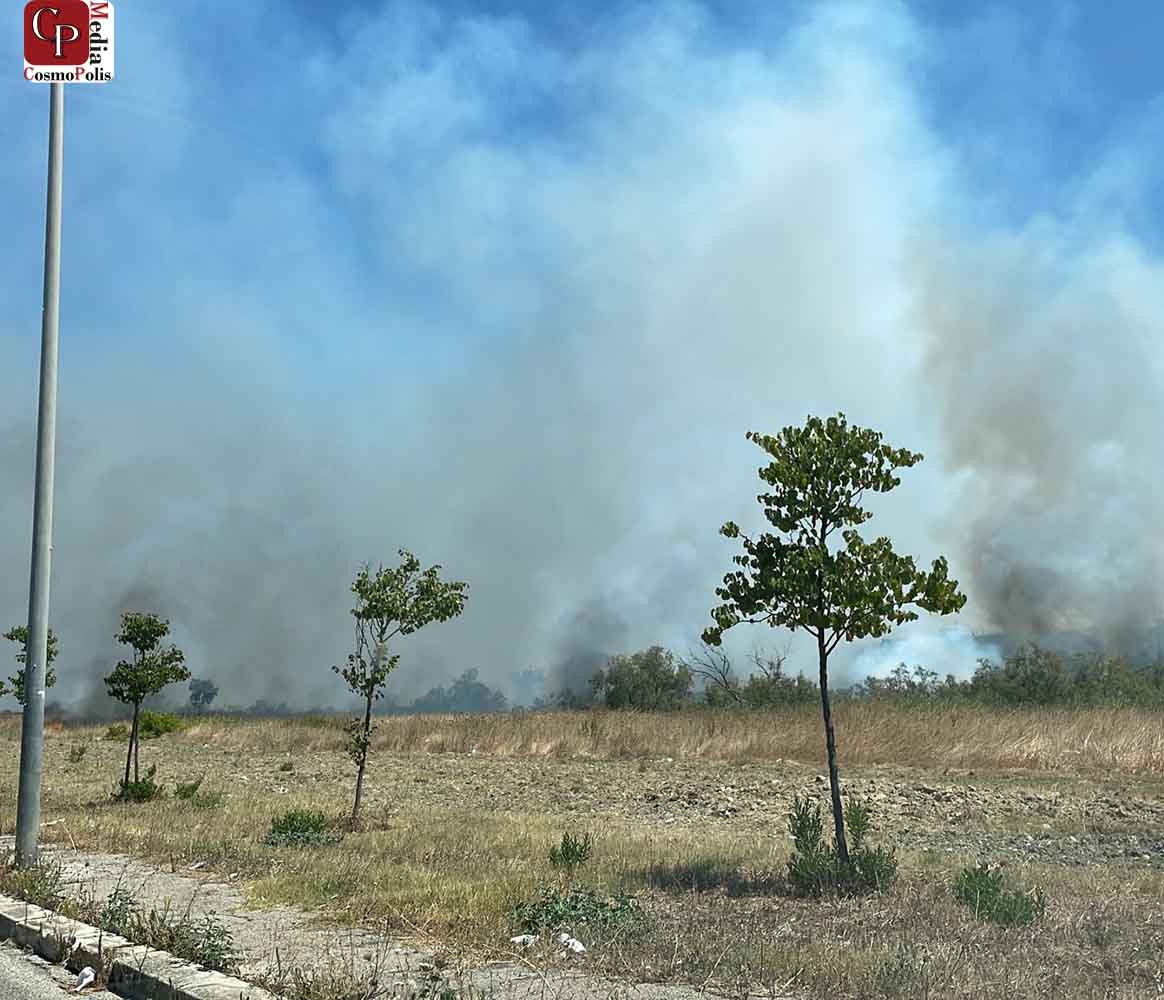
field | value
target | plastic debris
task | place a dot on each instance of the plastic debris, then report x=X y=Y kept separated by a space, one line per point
x=524 y=940
x=571 y=943
x=84 y=978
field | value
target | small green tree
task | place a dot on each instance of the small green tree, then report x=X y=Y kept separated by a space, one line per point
x=202 y=693
x=795 y=579
x=389 y=602
x=19 y=633
x=153 y=667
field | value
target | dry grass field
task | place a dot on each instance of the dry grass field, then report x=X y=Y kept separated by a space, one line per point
x=689 y=814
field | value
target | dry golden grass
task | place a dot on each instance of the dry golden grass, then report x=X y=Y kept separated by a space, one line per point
x=1101 y=740
x=462 y=810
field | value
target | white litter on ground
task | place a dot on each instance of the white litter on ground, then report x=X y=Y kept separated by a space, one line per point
x=524 y=940
x=571 y=943
x=84 y=978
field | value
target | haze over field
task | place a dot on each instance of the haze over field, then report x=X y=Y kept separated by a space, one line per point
x=506 y=288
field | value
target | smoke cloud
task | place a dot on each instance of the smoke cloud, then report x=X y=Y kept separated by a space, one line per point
x=1045 y=363
x=951 y=651
x=460 y=287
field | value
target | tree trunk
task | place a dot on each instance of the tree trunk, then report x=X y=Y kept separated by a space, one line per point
x=133 y=741
x=129 y=747
x=831 y=746
x=363 y=761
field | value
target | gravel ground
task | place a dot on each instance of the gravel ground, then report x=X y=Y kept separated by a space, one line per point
x=1017 y=817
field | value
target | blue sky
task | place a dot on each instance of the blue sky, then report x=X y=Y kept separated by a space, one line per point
x=506 y=284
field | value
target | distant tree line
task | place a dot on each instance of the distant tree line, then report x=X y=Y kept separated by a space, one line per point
x=655 y=679
x=466 y=694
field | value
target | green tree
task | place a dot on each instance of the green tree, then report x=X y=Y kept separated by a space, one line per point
x=466 y=694
x=153 y=667
x=389 y=602
x=794 y=578
x=19 y=633
x=202 y=693
x=648 y=680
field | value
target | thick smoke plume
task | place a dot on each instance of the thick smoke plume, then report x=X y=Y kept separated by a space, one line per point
x=1045 y=363
x=512 y=304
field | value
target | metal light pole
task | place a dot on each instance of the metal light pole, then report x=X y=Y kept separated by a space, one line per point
x=36 y=661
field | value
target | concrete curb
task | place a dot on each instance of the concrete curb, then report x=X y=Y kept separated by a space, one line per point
x=135 y=971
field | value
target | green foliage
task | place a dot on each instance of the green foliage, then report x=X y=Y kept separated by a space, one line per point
x=153 y=666
x=358 y=740
x=19 y=634
x=649 y=680
x=1031 y=676
x=77 y=753
x=117 y=911
x=816 y=869
x=202 y=693
x=981 y=889
x=768 y=686
x=187 y=789
x=903 y=686
x=117 y=732
x=573 y=908
x=41 y=885
x=141 y=790
x=210 y=944
x=465 y=694
x=800 y=577
x=572 y=853
x=207 y=800
x=389 y=602
x=152 y=724
x=205 y=941
x=301 y=828
x=817 y=477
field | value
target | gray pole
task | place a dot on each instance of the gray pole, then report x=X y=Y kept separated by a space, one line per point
x=35 y=666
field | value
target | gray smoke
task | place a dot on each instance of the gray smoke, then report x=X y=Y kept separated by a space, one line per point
x=512 y=307
x=590 y=636
x=1044 y=361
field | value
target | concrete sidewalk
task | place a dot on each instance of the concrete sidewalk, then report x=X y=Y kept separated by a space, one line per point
x=281 y=937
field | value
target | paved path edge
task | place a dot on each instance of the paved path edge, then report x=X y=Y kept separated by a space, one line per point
x=135 y=971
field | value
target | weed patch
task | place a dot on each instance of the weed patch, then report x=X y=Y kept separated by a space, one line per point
x=571 y=853
x=579 y=906
x=815 y=869
x=151 y=725
x=207 y=800
x=204 y=941
x=41 y=885
x=301 y=828
x=981 y=889
x=145 y=790
x=186 y=790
